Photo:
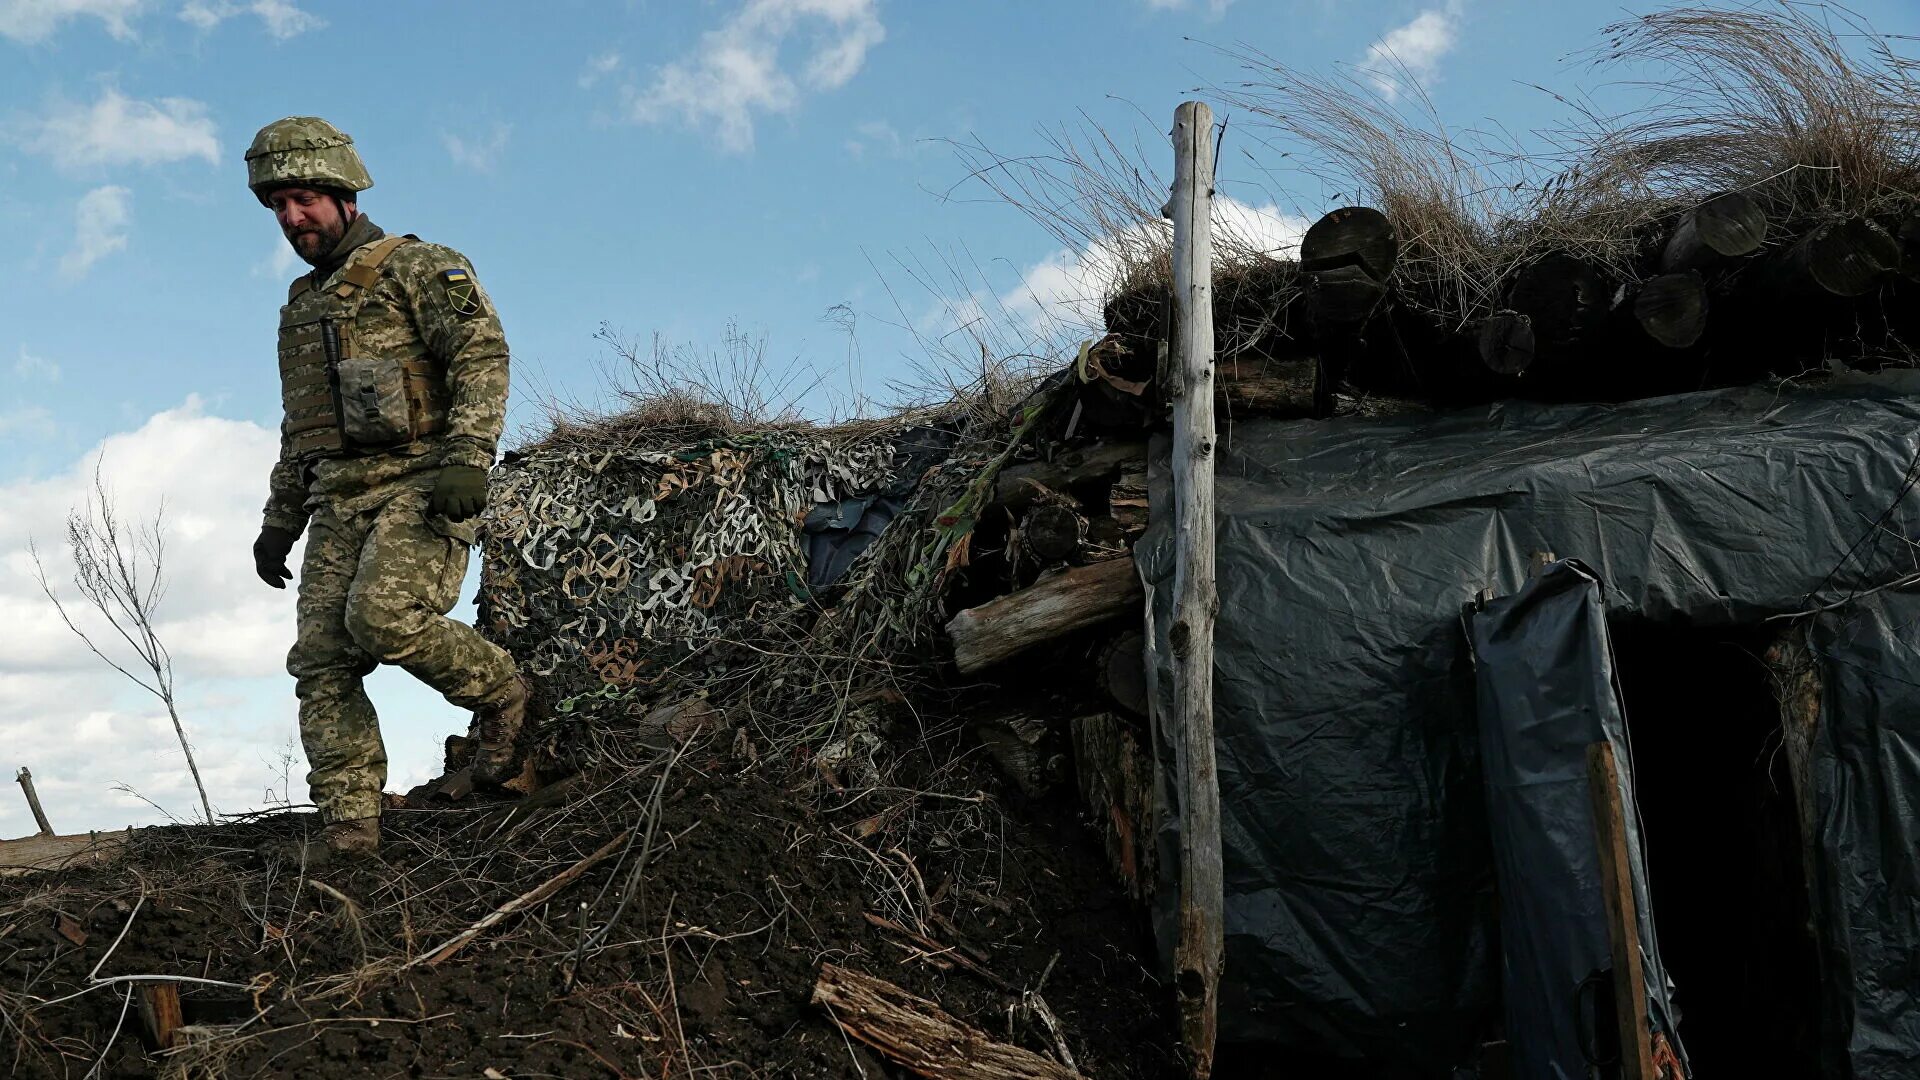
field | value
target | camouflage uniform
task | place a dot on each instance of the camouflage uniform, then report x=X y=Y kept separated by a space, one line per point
x=380 y=572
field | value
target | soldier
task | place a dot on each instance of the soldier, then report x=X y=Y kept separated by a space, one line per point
x=393 y=382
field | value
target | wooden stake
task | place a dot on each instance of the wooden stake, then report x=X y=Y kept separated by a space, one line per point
x=1623 y=913
x=159 y=1012
x=1197 y=955
x=33 y=801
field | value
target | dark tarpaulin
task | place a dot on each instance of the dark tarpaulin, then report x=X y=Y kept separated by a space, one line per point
x=1548 y=690
x=837 y=532
x=1359 y=880
x=1866 y=761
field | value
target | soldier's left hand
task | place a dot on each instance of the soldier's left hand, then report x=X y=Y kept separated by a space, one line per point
x=460 y=493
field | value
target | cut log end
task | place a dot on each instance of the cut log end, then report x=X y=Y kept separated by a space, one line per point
x=1344 y=296
x=1851 y=258
x=1730 y=225
x=1507 y=343
x=1357 y=236
x=1672 y=309
x=1564 y=296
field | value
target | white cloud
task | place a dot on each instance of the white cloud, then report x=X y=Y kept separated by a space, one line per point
x=61 y=710
x=31 y=21
x=99 y=230
x=82 y=727
x=478 y=154
x=119 y=130
x=742 y=68
x=598 y=68
x=1215 y=8
x=278 y=264
x=879 y=137
x=28 y=366
x=282 y=18
x=29 y=420
x=1412 y=52
x=1068 y=287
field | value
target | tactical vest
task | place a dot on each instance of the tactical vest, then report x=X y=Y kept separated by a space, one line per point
x=340 y=398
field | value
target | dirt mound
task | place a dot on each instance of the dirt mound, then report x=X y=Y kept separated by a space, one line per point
x=743 y=890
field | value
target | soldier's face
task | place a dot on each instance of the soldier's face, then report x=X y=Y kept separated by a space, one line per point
x=310 y=220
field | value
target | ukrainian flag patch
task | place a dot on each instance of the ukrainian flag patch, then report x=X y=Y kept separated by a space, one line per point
x=462 y=295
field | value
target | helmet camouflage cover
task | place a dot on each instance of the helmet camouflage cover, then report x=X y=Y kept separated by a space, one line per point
x=304 y=151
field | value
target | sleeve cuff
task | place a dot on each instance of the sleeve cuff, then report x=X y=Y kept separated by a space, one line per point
x=463 y=452
x=289 y=522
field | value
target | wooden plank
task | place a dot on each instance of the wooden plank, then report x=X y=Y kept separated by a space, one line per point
x=920 y=1036
x=1197 y=954
x=33 y=854
x=1018 y=485
x=1623 y=913
x=1056 y=604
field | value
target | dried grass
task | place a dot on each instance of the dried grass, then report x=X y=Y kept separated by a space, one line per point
x=1803 y=106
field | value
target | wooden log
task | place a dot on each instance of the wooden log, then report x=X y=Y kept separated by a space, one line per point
x=1053 y=533
x=1018 y=485
x=1200 y=946
x=1622 y=913
x=1115 y=775
x=1906 y=233
x=1341 y=298
x=1057 y=604
x=36 y=853
x=1506 y=342
x=1672 y=309
x=1127 y=501
x=1255 y=386
x=1358 y=236
x=1121 y=668
x=920 y=1036
x=1727 y=226
x=1565 y=297
x=25 y=777
x=1840 y=259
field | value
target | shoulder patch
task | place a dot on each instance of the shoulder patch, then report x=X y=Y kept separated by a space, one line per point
x=462 y=296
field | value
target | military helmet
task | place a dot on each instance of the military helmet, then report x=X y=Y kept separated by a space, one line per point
x=304 y=151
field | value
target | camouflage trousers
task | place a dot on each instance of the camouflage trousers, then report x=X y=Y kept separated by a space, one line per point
x=375 y=588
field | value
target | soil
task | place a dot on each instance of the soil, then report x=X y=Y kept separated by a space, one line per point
x=749 y=889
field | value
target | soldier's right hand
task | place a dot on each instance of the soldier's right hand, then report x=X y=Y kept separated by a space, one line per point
x=270 y=556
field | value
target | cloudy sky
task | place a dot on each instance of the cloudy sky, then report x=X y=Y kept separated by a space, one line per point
x=660 y=167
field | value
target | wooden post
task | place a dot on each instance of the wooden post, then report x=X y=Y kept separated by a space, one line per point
x=1623 y=913
x=1197 y=956
x=33 y=801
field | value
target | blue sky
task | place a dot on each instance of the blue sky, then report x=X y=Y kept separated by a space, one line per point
x=663 y=167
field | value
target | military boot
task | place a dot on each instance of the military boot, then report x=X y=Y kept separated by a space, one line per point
x=498 y=725
x=339 y=841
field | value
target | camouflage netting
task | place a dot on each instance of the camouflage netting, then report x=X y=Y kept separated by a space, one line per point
x=624 y=574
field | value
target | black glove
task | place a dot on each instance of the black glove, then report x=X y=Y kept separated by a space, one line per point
x=270 y=556
x=460 y=493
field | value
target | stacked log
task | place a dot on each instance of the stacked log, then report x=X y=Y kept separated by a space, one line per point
x=1719 y=295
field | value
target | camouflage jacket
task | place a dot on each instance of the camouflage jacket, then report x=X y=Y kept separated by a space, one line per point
x=416 y=308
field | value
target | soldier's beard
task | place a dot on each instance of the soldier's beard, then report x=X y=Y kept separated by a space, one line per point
x=315 y=243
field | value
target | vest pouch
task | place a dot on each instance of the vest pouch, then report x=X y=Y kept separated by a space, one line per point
x=373 y=402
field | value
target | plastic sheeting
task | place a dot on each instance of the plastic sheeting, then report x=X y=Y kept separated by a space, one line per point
x=1547 y=691
x=1866 y=763
x=1359 y=871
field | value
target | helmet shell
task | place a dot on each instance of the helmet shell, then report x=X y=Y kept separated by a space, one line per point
x=304 y=151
